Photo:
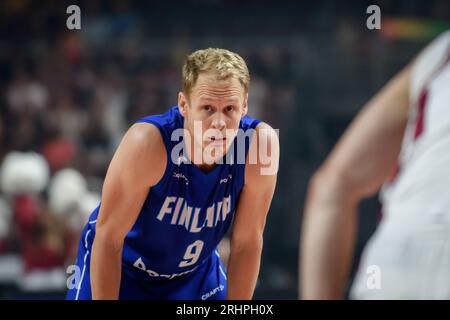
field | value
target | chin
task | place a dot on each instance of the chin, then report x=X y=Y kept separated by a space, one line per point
x=214 y=157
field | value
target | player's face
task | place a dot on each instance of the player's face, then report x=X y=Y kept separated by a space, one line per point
x=215 y=106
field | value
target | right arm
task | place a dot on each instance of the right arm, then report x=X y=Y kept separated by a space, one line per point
x=137 y=165
x=356 y=168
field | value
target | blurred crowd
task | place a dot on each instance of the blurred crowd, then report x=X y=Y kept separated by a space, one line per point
x=67 y=97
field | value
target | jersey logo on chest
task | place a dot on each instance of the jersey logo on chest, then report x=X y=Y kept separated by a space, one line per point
x=178 y=212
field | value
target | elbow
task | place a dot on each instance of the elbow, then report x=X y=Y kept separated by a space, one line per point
x=329 y=184
x=248 y=244
x=108 y=240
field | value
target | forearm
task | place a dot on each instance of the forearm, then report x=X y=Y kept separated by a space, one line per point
x=106 y=265
x=328 y=242
x=243 y=270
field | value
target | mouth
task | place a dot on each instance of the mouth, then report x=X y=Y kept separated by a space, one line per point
x=216 y=141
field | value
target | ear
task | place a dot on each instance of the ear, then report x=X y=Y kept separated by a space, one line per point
x=245 y=109
x=182 y=104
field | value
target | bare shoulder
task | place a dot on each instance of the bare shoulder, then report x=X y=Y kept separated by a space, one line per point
x=263 y=155
x=145 y=135
x=265 y=131
x=142 y=153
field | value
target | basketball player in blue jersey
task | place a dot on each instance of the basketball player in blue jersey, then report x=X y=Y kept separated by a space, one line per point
x=167 y=204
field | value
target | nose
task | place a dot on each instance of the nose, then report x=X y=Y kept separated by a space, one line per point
x=218 y=123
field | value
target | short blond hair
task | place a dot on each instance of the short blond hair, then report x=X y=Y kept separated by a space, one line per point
x=223 y=63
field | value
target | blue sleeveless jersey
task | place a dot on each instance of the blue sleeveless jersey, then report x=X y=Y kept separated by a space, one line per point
x=185 y=215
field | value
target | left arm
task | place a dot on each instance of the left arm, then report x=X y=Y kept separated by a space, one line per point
x=251 y=213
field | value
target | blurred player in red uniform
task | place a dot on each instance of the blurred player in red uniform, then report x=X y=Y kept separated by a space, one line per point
x=400 y=142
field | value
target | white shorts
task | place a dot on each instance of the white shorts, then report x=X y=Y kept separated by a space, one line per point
x=405 y=263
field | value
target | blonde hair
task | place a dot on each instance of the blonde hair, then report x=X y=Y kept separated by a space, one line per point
x=223 y=63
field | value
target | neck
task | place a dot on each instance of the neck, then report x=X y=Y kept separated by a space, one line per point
x=206 y=168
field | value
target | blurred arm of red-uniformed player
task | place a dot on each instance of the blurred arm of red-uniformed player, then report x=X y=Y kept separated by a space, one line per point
x=360 y=162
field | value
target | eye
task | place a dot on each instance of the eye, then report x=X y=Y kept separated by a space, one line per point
x=229 y=108
x=207 y=108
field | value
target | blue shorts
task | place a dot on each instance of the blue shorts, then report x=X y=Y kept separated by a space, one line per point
x=207 y=282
